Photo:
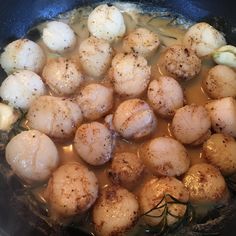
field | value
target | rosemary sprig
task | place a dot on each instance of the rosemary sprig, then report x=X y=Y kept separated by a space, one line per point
x=163 y=228
x=16 y=128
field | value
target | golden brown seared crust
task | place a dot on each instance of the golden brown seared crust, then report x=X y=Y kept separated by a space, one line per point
x=220 y=151
x=72 y=189
x=115 y=212
x=205 y=184
x=126 y=169
x=181 y=63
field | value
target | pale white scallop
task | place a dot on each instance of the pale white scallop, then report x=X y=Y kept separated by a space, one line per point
x=115 y=212
x=62 y=76
x=220 y=82
x=191 y=124
x=59 y=37
x=95 y=101
x=95 y=56
x=165 y=96
x=57 y=117
x=134 y=119
x=22 y=54
x=203 y=39
x=223 y=115
x=32 y=156
x=94 y=143
x=165 y=156
x=130 y=74
x=71 y=190
x=141 y=41
x=21 y=88
x=106 y=22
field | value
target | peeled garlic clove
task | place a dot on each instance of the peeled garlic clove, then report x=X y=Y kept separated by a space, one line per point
x=7 y=117
x=225 y=55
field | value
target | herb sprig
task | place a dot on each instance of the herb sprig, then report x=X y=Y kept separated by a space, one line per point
x=163 y=228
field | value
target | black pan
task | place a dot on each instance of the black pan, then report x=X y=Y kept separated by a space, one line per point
x=17 y=216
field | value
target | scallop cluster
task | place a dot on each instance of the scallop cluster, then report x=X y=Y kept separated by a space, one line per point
x=115 y=102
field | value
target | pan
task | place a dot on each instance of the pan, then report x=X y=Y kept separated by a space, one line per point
x=17 y=216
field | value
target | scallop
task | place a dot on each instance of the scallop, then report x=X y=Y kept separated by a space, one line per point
x=220 y=151
x=22 y=54
x=141 y=41
x=165 y=156
x=57 y=117
x=62 y=76
x=191 y=124
x=205 y=184
x=106 y=22
x=95 y=56
x=223 y=115
x=180 y=62
x=134 y=119
x=95 y=101
x=71 y=190
x=157 y=192
x=130 y=74
x=115 y=212
x=93 y=142
x=165 y=96
x=32 y=156
x=203 y=39
x=59 y=37
x=220 y=82
x=21 y=88
x=126 y=169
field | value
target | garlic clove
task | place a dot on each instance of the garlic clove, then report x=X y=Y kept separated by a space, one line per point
x=225 y=55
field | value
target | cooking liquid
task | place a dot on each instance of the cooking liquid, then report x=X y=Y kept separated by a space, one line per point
x=169 y=34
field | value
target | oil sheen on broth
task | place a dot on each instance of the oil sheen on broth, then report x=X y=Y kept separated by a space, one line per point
x=169 y=34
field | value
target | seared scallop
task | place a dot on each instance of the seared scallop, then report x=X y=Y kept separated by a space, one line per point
x=32 y=156
x=130 y=74
x=220 y=151
x=220 y=82
x=21 y=88
x=59 y=37
x=205 y=184
x=95 y=101
x=62 y=76
x=141 y=41
x=106 y=22
x=115 y=212
x=126 y=169
x=203 y=39
x=94 y=143
x=165 y=156
x=180 y=62
x=223 y=115
x=71 y=190
x=22 y=54
x=191 y=124
x=95 y=56
x=54 y=116
x=165 y=95
x=155 y=193
x=134 y=119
